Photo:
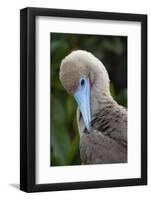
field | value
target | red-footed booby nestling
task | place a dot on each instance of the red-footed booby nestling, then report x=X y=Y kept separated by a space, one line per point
x=102 y=123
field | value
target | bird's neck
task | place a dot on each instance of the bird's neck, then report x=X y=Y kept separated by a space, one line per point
x=99 y=99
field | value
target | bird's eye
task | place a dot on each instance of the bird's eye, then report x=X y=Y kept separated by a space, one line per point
x=82 y=82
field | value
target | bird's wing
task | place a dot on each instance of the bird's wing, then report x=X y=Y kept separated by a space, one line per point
x=112 y=123
x=97 y=148
x=107 y=140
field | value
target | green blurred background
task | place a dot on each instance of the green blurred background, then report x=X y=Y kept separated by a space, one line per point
x=112 y=51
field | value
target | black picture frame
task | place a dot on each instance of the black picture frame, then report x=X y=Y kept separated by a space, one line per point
x=28 y=98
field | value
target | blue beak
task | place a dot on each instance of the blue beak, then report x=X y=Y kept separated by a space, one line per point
x=82 y=97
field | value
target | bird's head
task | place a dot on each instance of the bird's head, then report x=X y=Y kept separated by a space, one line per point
x=80 y=73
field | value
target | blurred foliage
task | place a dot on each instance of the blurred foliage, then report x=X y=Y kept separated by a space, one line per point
x=112 y=51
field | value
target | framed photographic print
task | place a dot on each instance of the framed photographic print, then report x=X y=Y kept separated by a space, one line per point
x=83 y=99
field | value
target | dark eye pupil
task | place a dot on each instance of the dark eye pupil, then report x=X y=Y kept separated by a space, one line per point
x=82 y=82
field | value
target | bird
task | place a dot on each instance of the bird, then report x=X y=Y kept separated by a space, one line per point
x=102 y=122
